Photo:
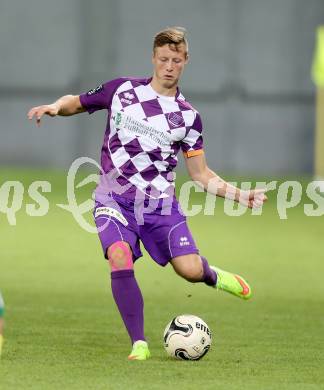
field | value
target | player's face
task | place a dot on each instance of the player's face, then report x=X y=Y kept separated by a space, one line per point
x=169 y=64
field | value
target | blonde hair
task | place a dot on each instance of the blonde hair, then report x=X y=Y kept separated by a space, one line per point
x=172 y=36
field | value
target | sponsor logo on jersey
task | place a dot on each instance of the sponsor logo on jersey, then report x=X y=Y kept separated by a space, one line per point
x=126 y=101
x=175 y=120
x=110 y=212
x=118 y=119
x=142 y=129
x=128 y=97
x=95 y=90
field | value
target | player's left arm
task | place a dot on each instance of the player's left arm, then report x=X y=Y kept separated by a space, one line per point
x=206 y=178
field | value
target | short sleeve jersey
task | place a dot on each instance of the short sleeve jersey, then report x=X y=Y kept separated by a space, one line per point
x=144 y=133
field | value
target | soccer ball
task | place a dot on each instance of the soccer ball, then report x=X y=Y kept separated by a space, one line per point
x=187 y=337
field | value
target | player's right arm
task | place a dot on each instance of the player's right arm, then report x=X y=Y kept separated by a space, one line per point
x=65 y=106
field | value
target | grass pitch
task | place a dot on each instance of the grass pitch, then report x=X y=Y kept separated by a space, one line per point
x=63 y=330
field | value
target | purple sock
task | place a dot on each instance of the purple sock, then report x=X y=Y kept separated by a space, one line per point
x=209 y=276
x=129 y=300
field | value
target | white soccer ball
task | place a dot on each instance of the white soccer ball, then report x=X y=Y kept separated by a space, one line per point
x=187 y=337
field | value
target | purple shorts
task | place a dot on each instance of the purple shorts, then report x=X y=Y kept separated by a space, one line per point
x=163 y=236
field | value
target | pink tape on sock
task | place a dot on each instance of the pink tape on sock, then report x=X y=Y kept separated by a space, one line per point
x=120 y=257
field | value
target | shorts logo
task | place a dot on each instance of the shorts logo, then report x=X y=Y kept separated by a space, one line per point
x=184 y=241
x=175 y=120
x=111 y=213
x=95 y=90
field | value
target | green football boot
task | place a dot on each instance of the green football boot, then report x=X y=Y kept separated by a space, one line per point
x=140 y=351
x=233 y=284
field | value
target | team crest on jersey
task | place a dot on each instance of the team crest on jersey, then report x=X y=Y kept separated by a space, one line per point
x=175 y=120
x=95 y=90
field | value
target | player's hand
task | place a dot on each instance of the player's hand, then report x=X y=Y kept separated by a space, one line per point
x=38 y=112
x=253 y=199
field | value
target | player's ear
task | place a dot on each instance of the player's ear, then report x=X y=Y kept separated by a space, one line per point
x=187 y=59
x=153 y=56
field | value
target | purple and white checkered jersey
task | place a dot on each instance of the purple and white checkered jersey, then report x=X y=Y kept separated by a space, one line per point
x=145 y=131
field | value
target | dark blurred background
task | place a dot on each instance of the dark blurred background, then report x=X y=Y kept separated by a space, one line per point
x=249 y=75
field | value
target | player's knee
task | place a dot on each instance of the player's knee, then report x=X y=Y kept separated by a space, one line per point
x=192 y=273
x=189 y=267
x=120 y=256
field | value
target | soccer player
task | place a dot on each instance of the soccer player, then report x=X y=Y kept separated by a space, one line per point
x=148 y=122
x=1 y=321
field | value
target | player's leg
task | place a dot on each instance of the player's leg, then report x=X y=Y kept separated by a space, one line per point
x=121 y=248
x=1 y=321
x=195 y=268
x=168 y=239
x=128 y=296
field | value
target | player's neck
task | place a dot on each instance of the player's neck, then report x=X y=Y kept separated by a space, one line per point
x=159 y=89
